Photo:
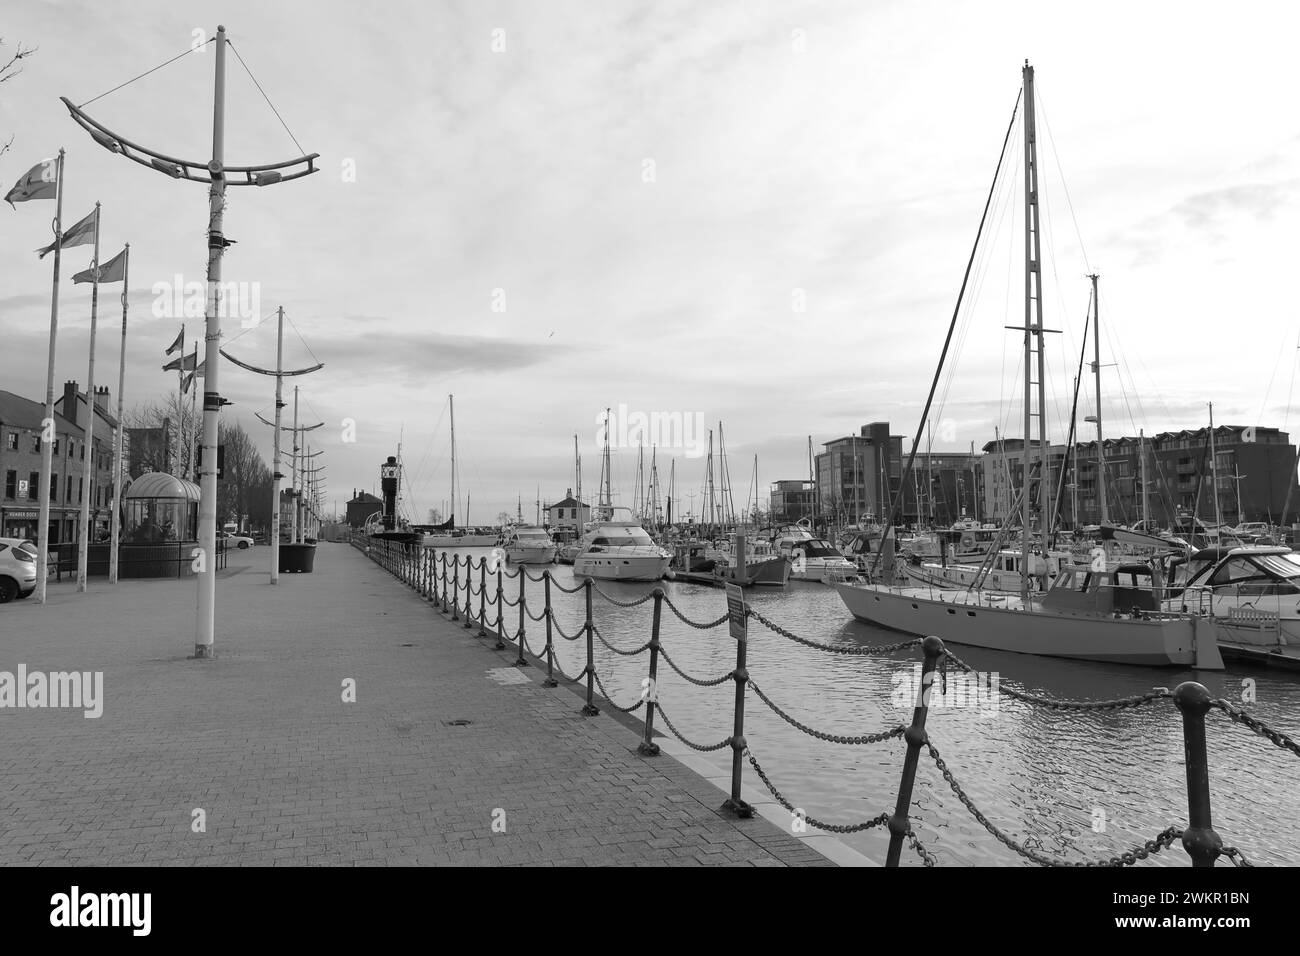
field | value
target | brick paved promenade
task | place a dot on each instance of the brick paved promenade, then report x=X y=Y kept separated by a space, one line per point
x=287 y=773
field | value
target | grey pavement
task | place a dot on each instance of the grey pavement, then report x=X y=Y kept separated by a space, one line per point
x=260 y=748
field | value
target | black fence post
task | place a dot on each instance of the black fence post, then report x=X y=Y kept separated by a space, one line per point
x=550 y=650
x=523 y=573
x=589 y=709
x=1200 y=841
x=915 y=737
x=501 y=606
x=482 y=597
x=734 y=803
x=455 y=589
x=648 y=747
x=469 y=591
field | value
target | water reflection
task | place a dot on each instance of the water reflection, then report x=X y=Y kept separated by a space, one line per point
x=1074 y=785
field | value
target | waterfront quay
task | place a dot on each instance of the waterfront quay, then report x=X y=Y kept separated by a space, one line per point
x=343 y=721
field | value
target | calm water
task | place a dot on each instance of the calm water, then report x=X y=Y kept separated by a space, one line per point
x=1037 y=774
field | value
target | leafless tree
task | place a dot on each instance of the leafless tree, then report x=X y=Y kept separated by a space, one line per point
x=8 y=70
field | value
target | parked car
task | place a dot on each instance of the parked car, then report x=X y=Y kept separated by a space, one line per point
x=17 y=569
x=240 y=541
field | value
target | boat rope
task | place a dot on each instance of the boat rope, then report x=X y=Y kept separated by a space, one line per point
x=192 y=48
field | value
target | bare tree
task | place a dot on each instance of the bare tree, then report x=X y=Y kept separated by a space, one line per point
x=435 y=516
x=8 y=70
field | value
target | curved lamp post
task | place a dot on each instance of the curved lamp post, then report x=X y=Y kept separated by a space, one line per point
x=279 y=374
x=218 y=176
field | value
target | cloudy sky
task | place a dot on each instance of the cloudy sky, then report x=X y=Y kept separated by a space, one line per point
x=753 y=213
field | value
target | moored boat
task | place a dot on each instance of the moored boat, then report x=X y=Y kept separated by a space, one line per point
x=620 y=551
x=528 y=544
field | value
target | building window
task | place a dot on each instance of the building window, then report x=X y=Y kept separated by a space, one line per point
x=36 y=444
x=33 y=486
x=11 y=441
x=56 y=446
x=67 y=494
x=83 y=451
x=11 y=484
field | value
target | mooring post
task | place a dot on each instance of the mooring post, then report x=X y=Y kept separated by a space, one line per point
x=523 y=573
x=501 y=606
x=550 y=651
x=734 y=804
x=648 y=747
x=1200 y=841
x=915 y=737
x=455 y=588
x=590 y=709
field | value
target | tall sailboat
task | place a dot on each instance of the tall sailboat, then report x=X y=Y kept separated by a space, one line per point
x=447 y=535
x=1087 y=613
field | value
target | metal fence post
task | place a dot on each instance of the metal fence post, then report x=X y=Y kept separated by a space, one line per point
x=469 y=591
x=1200 y=841
x=915 y=737
x=589 y=709
x=482 y=597
x=734 y=804
x=648 y=747
x=523 y=573
x=442 y=559
x=550 y=650
x=501 y=606
x=455 y=588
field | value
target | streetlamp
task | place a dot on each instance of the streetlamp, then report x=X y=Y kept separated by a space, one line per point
x=218 y=176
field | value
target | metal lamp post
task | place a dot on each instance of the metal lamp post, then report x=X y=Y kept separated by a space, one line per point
x=217 y=175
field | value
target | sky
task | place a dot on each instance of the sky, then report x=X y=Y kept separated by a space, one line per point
x=752 y=213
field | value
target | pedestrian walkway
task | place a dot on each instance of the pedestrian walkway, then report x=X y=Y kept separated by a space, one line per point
x=256 y=758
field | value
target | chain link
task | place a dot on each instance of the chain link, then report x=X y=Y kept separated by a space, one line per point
x=1258 y=726
x=568 y=637
x=926 y=856
x=813 y=821
x=539 y=617
x=621 y=653
x=1161 y=842
x=829 y=738
x=610 y=700
x=638 y=602
x=1231 y=852
x=695 y=624
x=852 y=649
x=663 y=652
x=702 y=748
x=1055 y=703
x=573 y=590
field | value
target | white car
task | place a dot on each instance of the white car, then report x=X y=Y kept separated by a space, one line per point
x=232 y=540
x=17 y=569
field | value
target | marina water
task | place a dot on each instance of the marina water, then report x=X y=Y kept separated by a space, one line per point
x=1078 y=785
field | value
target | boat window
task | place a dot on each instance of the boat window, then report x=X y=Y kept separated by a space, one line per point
x=1263 y=588
x=1235 y=570
x=1281 y=565
x=820 y=549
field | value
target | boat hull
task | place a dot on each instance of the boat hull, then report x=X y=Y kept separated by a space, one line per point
x=544 y=554
x=459 y=541
x=609 y=566
x=1001 y=623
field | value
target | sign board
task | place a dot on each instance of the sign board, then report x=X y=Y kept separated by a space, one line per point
x=736 y=611
x=22 y=489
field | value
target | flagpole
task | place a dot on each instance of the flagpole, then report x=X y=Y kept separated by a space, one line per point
x=47 y=444
x=194 y=415
x=275 y=467
x=180 y=406
x=88 y=438
x=114 y=519
x=293 y=471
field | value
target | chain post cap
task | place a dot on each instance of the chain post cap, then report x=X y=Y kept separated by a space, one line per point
x=915 y=737
x=739 y=744
x=932 y=646
x=741 y=675
x=1191 y=697
x=658 y=592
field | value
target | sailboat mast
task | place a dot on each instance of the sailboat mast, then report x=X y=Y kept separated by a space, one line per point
x=812 y=480
x=1142 y=448
x=577 y=470
x=1033 y=337
x=451 y=411
x=1214 y=474
x=672 y=482
x=1096 y=374
x=606 y=504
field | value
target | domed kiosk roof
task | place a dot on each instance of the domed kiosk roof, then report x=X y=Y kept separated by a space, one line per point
x=157 y=484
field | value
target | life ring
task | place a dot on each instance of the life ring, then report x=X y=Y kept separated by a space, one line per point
x=968 y=541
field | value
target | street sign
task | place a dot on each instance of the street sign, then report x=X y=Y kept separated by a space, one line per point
x=22 y=489
x=736 y=611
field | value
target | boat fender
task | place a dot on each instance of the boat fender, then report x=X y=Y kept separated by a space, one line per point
x=968 y=541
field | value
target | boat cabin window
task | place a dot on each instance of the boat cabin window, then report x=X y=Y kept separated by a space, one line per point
x=1238 y=570
x=1073 y=579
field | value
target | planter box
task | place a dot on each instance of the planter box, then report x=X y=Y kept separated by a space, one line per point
x=297 y=558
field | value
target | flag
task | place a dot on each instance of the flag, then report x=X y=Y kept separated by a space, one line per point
x=79 y=235
x=39 y=183
x=201 y=371
x=180 y=340
x=114 y=270
x=184 y=364
x=185 y=383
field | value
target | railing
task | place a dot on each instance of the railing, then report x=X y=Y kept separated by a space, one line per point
x=169 y=559
x=441 y=578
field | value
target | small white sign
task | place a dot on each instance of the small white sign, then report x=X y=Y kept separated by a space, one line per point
x=22 y=489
